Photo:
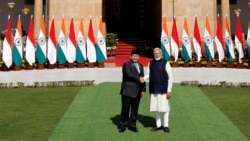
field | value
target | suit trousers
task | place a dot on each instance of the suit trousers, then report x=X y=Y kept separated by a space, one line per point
x=129 y=111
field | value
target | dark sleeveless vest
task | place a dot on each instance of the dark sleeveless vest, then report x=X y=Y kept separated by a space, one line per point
x=158 y=77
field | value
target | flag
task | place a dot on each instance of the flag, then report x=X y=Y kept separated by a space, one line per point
x=52 y=44
x=197 y=40
x=186 y=45
x=229 y=43
x=239 y=39
x=17 y=52
x=219 y=40
x=248 y=40
x=30 y=44
x=208 y=40
x=91 y=53
x=165 y=45
x=7 y=48
x=174 y=41
x=101 y=53
x=81 y=45
x=61 y=46
x=71 y=44
x=41 y=44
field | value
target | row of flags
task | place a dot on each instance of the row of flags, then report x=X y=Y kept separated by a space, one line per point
x=59 y=50
x=223 y=44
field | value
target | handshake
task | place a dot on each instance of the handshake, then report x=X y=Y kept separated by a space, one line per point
x=142 y=80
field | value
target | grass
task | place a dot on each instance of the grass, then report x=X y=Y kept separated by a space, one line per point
x=94 y=115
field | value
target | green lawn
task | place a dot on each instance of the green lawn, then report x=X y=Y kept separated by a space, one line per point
x=92 y=113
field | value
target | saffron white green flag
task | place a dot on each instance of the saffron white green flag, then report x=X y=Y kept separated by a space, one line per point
x=91 y=51
x=71 y=44
x=174 y=41
x=219 y=40
x=165 y=44
x=17 y=52
x=41 y=44
x=52 y=44
x=186 y=44
x=239 y=39
x=61 y=46
x=208 y=40
x=30 y=44
x=248 y=40
x=7 y=49
x=229 y=42
x=101 y=53
x=197 y=40
x=81 y=45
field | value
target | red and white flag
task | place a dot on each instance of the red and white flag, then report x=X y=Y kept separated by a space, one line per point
x=71 y=43
x=30 y=44
x=197 y=40
x=239 y=39
x=91 y=51
x=7 y=46
x=52 y=44
x=219 y=41
x=174 y=41
x=229 y=42
x=248 y=40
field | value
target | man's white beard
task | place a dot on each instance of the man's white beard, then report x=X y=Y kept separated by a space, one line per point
x=157 y=58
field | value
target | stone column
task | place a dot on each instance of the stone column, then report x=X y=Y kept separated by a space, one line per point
x=38 y=9
x=225 y=10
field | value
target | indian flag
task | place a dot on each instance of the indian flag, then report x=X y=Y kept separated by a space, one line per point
x=71 y=44
x=229 y=43
x=91 y=52
x=239 y=39
x=52 y=44
x=197 y=40
x=219 y=40
x=248 y=40
x=17 y=52
x=7 y=49
x=41 y=44
x=208 y=40
x=101 y=53
x=165 y=45
x=30 y=44
x=61 y=46
x=186 y=45
x=174 y=41
x=81 y=45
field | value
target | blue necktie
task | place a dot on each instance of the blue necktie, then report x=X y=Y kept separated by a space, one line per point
x=137 y=67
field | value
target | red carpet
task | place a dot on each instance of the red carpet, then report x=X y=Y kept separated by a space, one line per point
x=119 y=60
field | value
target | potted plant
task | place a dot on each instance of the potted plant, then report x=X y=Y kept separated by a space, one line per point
x=111 y=40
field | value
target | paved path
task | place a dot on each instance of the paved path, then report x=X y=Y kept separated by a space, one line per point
x=203 y=75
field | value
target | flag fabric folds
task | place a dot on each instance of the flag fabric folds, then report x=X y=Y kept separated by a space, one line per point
x=229 y=42
x=165 y=44
x=101 y=53
x=186 y=45
x=81 y=44
x=174 y=41
x=41 y=44
x=71 y=44
x=30 y=44
x=61 y=45
x=219 y=41
x=91 y=51
x=17 y=52
x=197 y=40
x=7 y=47
x=239 y=39
x=52 y=44
x=248 y=40
x=208 y=40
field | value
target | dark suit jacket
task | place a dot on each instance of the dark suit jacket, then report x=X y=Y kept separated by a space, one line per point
x=131 y=85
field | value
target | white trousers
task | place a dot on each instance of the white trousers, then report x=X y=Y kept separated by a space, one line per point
x=165 y=119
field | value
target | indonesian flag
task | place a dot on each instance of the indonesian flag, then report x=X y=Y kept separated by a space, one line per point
x=165 y=45
x=219 y=40
x=91 y=53
x=7 y=49
x=101 y=52
x=229 y=42
x=71 y=44
x=186 y=45
x=17 y=52
x=174 y=41
x=30 y=44
x=208 y=40
x=239 y=39
x=248 y=40
x=61 y=46
x=52 y=44
x=197 y=40
x=41 y=44
x=81 y=45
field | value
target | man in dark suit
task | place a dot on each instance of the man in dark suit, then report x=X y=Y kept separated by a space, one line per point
x=132 y=87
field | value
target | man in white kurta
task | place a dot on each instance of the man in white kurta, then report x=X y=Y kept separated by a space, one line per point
x=160 y=78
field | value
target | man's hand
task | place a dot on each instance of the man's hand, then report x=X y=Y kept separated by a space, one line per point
x=168 y=95
x=142 y=80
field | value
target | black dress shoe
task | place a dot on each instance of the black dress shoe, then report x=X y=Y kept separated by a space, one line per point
x=134 y=129
x=166 y=130
x=156 y=128
x=121 y=130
